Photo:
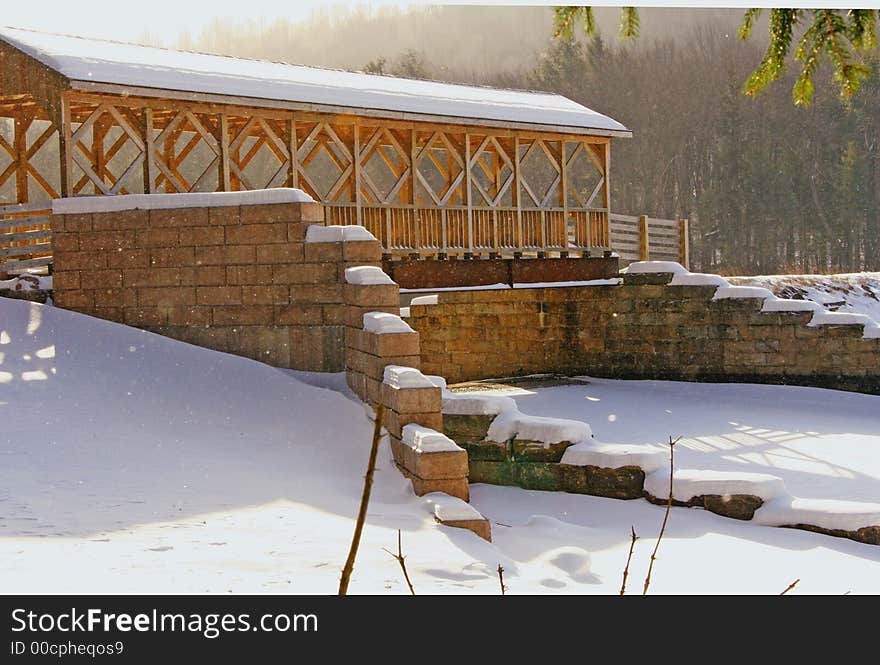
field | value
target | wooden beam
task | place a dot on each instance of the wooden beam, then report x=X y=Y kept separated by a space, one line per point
x=294 y=158
x=150 y=170
x=21 y=125
x=467 y=180
x=225 y=173
x=357 y=174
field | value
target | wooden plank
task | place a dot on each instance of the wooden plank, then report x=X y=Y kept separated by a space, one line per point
x=21 y=125
x=644 y=245
x=26 y=263
x=468 y=180
x=294 y=158
x=357 y=174
x=25 y=236
x=684 y=250
x=26 y=250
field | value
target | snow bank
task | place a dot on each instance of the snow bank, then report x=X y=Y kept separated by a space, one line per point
x=424 y=300
x=826 y=318
x=382 y=323
x=426 y=440
x=27 y=283
x=337 y=233
x=397 y=376
x=772 y=303
x=614 y=281
x=513 y=424
x=648 y=267
x=85 y=204
x=500 y=286
x=850 y=292
x=469 y=404
x=615 y=455
x=367 y=275
x=825 y=513
x=786 y=305
x=736 y=292
x=688 y=483
x=438 y=381
x=446 y=508
x=697 y=279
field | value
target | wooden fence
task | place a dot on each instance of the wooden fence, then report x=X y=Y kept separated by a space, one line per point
x=643 y=238
x=25 y=237
x=459 y=230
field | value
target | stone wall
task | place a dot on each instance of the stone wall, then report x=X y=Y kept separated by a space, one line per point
x=235 y=278
x=644 y=328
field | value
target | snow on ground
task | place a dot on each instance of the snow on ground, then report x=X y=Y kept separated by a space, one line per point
x=857 y=293
x=824 y=444
x=134 y=463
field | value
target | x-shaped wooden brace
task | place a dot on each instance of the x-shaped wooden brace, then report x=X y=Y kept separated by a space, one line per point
x=373 y=146
x=454 y=153
x=266 y=136
x=9 y=170
x=476 y=159
x=598 y=164
x=321 y=133
x=84 y=158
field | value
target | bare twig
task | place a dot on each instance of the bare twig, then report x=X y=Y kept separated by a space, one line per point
x=666 y=516
x=632 y=546
x=791 y=586
x=501 y=579
x=402 y=561
x=365 y=501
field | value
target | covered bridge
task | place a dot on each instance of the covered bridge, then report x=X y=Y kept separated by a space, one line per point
x=429 y=168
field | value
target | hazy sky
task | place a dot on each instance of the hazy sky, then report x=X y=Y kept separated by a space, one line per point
x=167 y=19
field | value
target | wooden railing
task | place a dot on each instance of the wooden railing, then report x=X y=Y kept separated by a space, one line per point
x=25 y=237
x=454 y=230
x=646 y=238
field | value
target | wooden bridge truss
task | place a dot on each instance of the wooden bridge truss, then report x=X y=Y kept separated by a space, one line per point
x=420 y=187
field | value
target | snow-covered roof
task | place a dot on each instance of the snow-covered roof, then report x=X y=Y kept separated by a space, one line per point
x=90 y=63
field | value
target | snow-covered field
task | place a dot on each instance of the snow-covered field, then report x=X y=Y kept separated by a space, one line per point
x=134 y=463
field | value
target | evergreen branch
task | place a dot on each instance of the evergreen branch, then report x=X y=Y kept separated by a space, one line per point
x=745 y=29
x=563 y=22
x=629 y=22
x=861 y=30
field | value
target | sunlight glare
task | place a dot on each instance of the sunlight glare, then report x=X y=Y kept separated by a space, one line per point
x=37 y=375
x=36 y=318
x=48 y=352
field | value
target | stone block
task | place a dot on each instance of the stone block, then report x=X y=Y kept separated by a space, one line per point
x=362 y=252
x=537 y=451
x=466 y=425
x=218 y=295
x=480 y=527
x=436 y=465
x=626 y=482
x=321 y=252
x=411 y=400
x=737 y=506
x=482 y=450
x=255 y=234
x=395 y=422
x=393 y=344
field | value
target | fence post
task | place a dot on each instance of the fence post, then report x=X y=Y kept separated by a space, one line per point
x=684 y=251
x=643 y=238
